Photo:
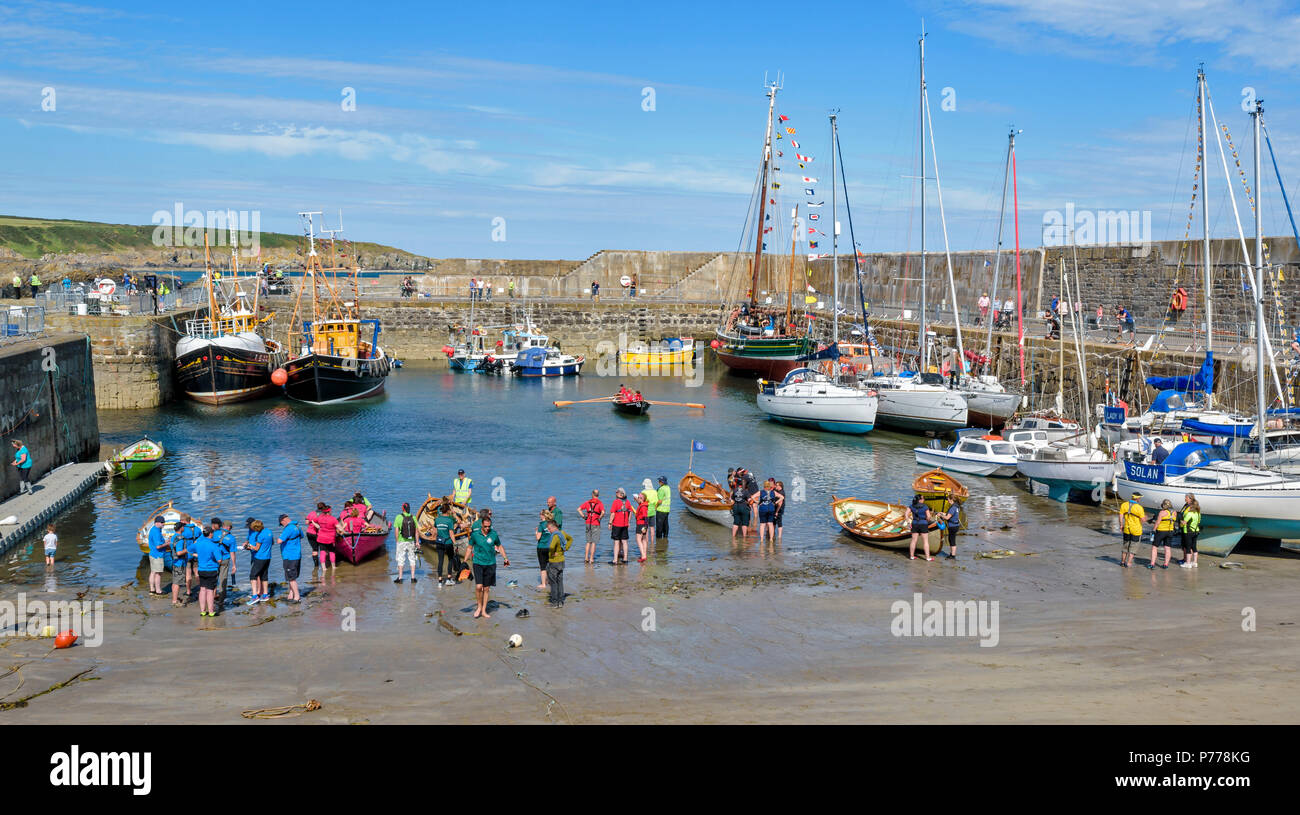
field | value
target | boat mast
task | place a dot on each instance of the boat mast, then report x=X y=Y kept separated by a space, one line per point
x=772 y=88
x=994 y=307
x=925 y=346
x=1260 y=328
x=789 y=295
x=835 y=234
x=1206 y=262
x=212 y=297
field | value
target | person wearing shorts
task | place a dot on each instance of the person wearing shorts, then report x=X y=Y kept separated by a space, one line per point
x=620 y=515
x=51 y=541
x=1164 y=532
x=644 y=521
x=406 y=532
x=591 y=511
x=327 y=534
x=918 y=516
x=290 y=541
x=259 y=543
x=207 y=561
x=157 y=549
x=740 y=509
x=1190 y=521
x=485 y=543
x=1132 y=516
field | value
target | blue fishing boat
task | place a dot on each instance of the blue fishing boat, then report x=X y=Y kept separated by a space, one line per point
x=547 y=362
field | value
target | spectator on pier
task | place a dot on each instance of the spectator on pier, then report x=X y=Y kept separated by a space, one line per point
x=983 y=303
x=1125 y=323
x=1101 y=314
x=595 y=291
x=15 y=288
x=510 y=287
x=633 y=287
x=23 y=461
x=1008 y=308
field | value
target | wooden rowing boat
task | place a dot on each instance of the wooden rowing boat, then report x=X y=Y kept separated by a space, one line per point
x=939 y=490
x=706 y=499
x=878 y=523
x=171 y=516
x=136 y=460
x=632 y=407
x=355 y=548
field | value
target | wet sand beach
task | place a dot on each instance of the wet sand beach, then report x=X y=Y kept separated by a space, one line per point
x=788 y=637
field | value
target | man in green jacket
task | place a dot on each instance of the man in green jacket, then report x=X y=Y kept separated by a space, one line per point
x=559 y=543
x=661 y=512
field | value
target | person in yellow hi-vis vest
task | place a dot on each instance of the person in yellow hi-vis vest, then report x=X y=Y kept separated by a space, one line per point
x=665 y=496
x=35 y=283
x=462 y=489
x=1132 y=516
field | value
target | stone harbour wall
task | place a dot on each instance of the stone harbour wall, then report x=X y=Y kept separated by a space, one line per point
x=48 y=402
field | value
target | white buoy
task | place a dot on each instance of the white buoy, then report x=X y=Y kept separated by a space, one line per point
x=516 y=640
x=10 y=521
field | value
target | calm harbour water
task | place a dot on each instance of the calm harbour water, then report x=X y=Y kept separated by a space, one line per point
x=274 y=456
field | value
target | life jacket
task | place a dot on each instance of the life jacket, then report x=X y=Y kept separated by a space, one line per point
x=1191 y=521
x=460 y=489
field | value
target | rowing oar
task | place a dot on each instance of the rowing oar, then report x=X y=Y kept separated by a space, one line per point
x=563 y=403
x=677 y=404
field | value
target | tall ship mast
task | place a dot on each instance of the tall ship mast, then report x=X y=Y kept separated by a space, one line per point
x=224 y=358
x=334 y=354
x=757 y=338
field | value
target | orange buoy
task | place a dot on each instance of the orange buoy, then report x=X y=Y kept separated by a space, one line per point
x=65 y=640
x=279 y=376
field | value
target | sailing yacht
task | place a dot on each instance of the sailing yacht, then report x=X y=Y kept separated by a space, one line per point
x=1236 y=499
x=749 y=340
x=223 y=358
x=339 y=358
x=917 y=403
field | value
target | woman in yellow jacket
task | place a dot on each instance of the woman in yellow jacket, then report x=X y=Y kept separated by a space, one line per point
x=1190 y=519
x=1164 y=531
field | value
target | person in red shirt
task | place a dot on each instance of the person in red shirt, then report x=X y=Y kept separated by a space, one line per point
x=620 y=513
x=591 y=512
x=327 y=534
x=642 y=522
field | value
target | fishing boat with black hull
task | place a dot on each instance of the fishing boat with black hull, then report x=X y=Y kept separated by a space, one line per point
x=223 y=358
x=339 y=358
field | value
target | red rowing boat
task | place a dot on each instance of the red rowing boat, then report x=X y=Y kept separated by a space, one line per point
x=355 y=548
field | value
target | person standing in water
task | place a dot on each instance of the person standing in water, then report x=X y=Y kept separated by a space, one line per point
x=663 y=500
x=259 y=543
x=207 y=560
x=780 y=511
x=918 y=518
x=327 y=537
x=620 y=515
x=591 y=511
x=51 y=541
x=405 y=531
x=1191 y=528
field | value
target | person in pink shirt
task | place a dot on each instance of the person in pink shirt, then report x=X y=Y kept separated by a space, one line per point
x=326 y=536
x=353 y=523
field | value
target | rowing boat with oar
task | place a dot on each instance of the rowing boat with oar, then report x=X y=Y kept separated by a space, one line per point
x=939 y=490
x=632 y=406
x=878 y=523
x=355 y=548
x=136 y=460
x=704 y=498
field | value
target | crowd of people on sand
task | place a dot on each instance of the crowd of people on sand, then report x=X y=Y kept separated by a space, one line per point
x=750 y=501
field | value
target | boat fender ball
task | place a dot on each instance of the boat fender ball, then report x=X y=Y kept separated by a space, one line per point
x=279 y=376
x=714 y=344
x=515 y=640
x=448 y=350
x=65 y=640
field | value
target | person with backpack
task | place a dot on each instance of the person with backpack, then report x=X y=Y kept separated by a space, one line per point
x=767 y=502
x=591 y=511
x=918 y=519
x=404 y=530
x=1190 y=524
x=1132 y=516
x=620 y=514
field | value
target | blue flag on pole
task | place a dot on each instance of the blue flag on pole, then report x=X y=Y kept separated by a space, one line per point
x=697 y=446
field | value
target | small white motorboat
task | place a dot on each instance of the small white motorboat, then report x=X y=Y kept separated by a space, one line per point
x=986 y=455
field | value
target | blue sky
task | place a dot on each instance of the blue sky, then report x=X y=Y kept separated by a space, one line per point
x=533 y=112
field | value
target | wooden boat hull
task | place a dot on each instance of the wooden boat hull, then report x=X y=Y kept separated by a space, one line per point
x=137 y=460
x=356 y=548
x=939 y=490
x=705 y=499
x=878 y=523
x=323 y=379
x=170 y=517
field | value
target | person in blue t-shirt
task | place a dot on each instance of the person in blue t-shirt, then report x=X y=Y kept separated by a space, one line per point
x=193 y=530
x=291 y=555
x=180 y=563
x=207 y=562
x=23 y=461
x=225 y=542
x=260 y=541
x=157 y=555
